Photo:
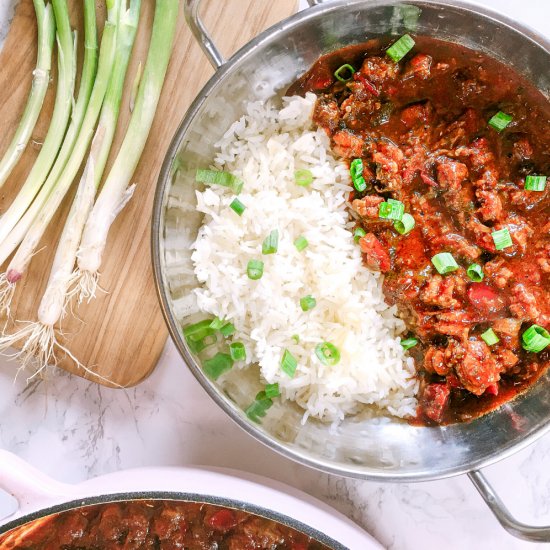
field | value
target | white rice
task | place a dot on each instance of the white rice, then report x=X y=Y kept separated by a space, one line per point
x=264 y=148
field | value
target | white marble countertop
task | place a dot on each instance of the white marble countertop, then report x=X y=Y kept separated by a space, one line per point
x=73 y=430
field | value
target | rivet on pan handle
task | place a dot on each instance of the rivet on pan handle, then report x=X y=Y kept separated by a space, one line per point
x=191 y=10
x=513 y=526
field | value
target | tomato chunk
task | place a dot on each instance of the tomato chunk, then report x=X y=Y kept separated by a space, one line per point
x=485 y=298
x=434 y=401
x=223 y=520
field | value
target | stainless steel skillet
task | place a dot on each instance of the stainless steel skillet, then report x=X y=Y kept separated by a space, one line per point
x=377 y=449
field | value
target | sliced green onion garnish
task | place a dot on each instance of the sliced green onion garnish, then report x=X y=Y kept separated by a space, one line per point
x=300 y=243
x=272 y=390
x=303 y=177
x=237 y=206
x=259 y=408
x=391 y=210
x=196 y=333
x=217 y=365
x=237 y=351
x=502 y=238
x=409 y=343
x=307 y=303
x=356 y=173
x=444 y=263
x=535 y=339
x=296 y=338
x=535 y=183
x=398 y=50
x=405 y=224
x=228 y=329
x=358 y=233
x=271 y=243
x=200 y=335
x=343 y=69
x=490 y=337
x=218 y=177
x=289 y=363
x=475 y=272
x=500 y=121
x=217 y=323
x=327 y=353
x=255 y=269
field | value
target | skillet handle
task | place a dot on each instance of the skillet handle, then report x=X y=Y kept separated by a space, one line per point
x=32 y=489
x=191 y=11
x=512 y=525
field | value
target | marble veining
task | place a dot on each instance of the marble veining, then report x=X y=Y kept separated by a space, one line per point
x=73 y=430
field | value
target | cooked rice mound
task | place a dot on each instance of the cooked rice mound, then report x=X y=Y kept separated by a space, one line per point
x=265 y=147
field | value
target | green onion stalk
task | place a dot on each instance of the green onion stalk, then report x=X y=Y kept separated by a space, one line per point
x=40 y=338
x=40 y=81
x=30 y=228
x=116 y=190
x=56 y=137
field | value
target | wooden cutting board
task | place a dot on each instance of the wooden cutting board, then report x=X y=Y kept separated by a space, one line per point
x=121 y=333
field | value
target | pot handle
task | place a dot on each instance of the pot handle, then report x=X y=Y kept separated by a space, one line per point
x=31 y=488
x=191 y=11
x=512 y=525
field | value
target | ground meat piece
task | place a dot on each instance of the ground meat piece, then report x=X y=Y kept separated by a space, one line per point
x=450 y=135
x=491 y=205
x=348 y=145
x=481 y=234
x=478 y=368
x=451 y=174
x=264 y=534
x=375 y=255
x=434 y=401
x=522 y=149
x=419 y=66
x=415 y=115
x=506 y=359
x=520 y=230
x=388 y=158
x=497 y=272
x=455 y=323
x=438 y=291
x=525 y=304
x=327 y=114
x=411 y=251
x=357 y=113
x=457 y=244
x=379 y=69
x=170 y=525
x=479 y=153
x=74 y=528
x=368 y=206
x=441 y=360
x=524 y=198
x=507 y=330
x=434 y=361
x=543 y=257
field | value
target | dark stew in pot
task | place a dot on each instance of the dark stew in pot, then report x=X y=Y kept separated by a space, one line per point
x=157 y=525
x=449 y=151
